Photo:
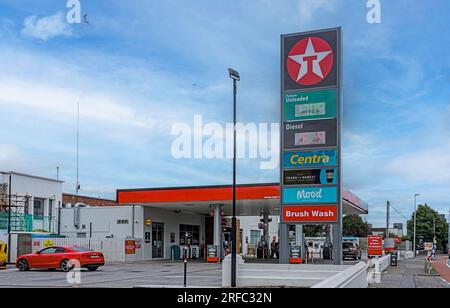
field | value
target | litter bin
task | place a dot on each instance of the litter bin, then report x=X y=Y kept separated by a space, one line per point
x=394 y=258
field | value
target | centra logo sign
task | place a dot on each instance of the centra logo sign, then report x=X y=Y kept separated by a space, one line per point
x=310 y=159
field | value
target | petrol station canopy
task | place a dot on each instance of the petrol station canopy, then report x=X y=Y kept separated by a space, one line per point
x=252 y=199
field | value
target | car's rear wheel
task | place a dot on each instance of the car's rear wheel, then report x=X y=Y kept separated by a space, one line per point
x=92 y=268
x=66 y=266
x=23 y=265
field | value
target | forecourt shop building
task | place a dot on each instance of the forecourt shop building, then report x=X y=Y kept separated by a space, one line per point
x=197 y=215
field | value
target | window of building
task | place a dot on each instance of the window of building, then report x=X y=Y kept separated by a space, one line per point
x=189 y=235
x=38 y=211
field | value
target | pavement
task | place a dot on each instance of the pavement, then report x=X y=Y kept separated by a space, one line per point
x=165 y=274
x=161 y=274
x=442 y=267
x=411 y=274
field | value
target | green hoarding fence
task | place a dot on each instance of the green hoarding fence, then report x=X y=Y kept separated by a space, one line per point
x=19 y=222
x=27 y=223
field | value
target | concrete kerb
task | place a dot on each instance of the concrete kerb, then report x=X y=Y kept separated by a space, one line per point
x=354 y=277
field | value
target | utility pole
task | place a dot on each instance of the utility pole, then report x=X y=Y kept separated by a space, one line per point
x=388 y=218
x=77 y=188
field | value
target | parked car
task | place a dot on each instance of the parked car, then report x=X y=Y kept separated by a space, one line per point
x=351 y=250
x=3 y=255
x=60 y=257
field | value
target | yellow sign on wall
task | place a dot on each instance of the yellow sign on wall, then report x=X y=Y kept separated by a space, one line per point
x=48 y=243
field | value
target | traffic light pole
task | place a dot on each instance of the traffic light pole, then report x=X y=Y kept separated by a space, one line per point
x=9 y=217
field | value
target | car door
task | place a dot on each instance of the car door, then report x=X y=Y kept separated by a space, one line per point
x=45 y=259
x=59 y=255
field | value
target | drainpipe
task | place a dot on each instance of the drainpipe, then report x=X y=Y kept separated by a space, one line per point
x=59 y=218
x=132 y=222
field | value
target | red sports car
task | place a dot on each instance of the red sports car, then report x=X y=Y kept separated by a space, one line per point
x=60 y=257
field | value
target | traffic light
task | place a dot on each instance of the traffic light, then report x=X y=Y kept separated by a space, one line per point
x=262 y=226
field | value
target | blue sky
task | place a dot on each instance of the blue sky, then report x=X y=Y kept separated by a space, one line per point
x=140 y=67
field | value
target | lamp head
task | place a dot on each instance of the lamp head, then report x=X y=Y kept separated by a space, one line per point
x=234 y=74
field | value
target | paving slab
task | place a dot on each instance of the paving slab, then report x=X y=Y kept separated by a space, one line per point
x=410 y=274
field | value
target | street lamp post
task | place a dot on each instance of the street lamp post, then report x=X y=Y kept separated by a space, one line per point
x=415 y=223
x=448 y=240
x=236 y=77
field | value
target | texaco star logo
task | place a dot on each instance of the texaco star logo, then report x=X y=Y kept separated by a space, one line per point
x=310 y=61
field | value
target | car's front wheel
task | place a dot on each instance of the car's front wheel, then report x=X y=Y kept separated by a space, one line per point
x=23 y=265
x=66 y=266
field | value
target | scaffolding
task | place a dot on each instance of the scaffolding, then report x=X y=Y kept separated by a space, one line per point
x=21 y=221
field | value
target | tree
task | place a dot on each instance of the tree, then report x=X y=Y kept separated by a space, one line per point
x=354 y=225
x=426 y=219
x=314 y=230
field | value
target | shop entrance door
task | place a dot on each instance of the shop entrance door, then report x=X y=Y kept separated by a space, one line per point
x=157 y=240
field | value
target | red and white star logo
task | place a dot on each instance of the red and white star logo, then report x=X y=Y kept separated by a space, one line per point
x=310 y=61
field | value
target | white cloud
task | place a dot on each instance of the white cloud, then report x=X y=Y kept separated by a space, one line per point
x=12 y=158
x=424 y=166
x=47 y=27
x=44 y=98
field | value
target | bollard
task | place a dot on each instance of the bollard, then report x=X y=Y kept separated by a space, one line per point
x=185 y=272
x=377 y=270
x=185 y=266
x=428 y=267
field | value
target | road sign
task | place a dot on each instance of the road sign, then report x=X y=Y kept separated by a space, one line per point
x=374 y=245
x=428 y=246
